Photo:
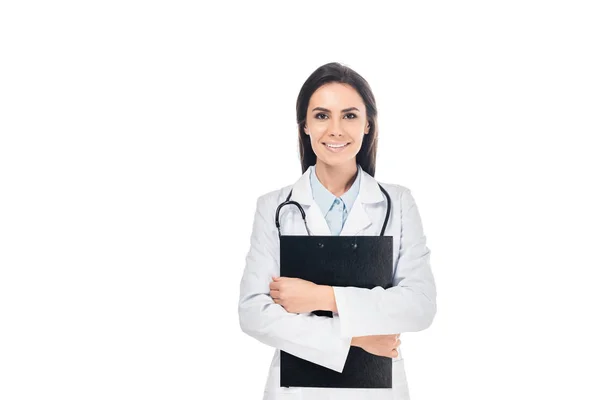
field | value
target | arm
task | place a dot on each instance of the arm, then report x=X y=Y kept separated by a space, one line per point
x=408 y=306
x=310 y=337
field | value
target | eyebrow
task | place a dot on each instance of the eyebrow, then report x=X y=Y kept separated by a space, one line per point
x=344 y=110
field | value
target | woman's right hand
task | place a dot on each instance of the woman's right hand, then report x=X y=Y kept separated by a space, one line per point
x=380 y=345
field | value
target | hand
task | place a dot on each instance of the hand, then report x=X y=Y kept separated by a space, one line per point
x=294 y=294
x=380 y=345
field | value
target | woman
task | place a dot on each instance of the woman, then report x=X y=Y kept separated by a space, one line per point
x=337 y=132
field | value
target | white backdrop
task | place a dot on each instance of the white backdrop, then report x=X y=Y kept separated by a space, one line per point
x=136 y=137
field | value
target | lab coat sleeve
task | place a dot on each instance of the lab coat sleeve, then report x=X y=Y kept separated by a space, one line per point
x=307 y=336
x=410 y=304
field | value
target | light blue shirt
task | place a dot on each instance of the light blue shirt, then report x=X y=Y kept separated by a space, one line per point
x=335 y=209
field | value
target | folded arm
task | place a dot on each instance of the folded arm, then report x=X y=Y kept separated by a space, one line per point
x=307 y=336
x=408 y=306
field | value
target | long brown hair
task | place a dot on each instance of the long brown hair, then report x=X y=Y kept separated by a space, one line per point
x=336 y=72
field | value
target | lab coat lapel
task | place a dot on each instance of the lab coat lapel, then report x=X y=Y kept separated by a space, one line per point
x=357 y=219
x=316 y=221
x=302 y=193
x=361 y=214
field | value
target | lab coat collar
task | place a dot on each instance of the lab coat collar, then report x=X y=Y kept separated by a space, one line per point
x=368 y=191
x=358 y=218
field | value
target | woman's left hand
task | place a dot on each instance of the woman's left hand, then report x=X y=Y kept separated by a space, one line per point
x=295 y=295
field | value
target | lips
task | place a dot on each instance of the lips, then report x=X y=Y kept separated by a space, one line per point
x=335 y=147
x=341 y=144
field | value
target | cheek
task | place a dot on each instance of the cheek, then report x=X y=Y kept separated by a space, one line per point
x=358 y=137
x=317 y=130
x=318 y=147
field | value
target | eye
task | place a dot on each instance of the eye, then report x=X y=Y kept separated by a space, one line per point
x=319 y=114
x=351 y=114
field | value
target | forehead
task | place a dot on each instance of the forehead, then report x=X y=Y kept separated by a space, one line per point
x=336 y=95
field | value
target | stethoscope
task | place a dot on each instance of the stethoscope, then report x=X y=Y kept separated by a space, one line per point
x=295 y=203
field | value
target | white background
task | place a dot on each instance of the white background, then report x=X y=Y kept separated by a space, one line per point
x=136 y=137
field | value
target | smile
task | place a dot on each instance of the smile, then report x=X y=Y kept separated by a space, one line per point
x=336 y=147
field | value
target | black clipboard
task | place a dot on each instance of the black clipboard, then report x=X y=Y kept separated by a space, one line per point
x=359 y=261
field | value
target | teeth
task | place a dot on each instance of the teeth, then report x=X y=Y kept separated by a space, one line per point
x=335 y=145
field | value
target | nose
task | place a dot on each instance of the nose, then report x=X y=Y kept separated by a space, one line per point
x=334 y=128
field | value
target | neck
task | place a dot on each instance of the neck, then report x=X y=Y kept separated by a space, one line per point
x=337 y=179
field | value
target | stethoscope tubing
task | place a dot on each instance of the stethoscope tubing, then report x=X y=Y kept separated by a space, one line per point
x=295 y=203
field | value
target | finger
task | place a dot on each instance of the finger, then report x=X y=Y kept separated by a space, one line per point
x=274 y=294
x=394 y=353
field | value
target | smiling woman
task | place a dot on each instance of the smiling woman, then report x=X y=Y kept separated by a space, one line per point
x=334 y=130
x=358 y=272
x=335 y=107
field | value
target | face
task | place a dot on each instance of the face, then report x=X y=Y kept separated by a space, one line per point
x=336 y=121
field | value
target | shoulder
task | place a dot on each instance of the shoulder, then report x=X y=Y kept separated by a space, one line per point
x=273 y=197
x=400 y=195
x=270 y=200
x=396 y=191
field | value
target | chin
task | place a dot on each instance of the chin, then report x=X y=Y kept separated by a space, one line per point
x=335 y=161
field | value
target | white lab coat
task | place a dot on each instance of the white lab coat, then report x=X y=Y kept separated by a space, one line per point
x=408 y=306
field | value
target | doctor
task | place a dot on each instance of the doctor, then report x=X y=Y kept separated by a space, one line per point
x=337 y=127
